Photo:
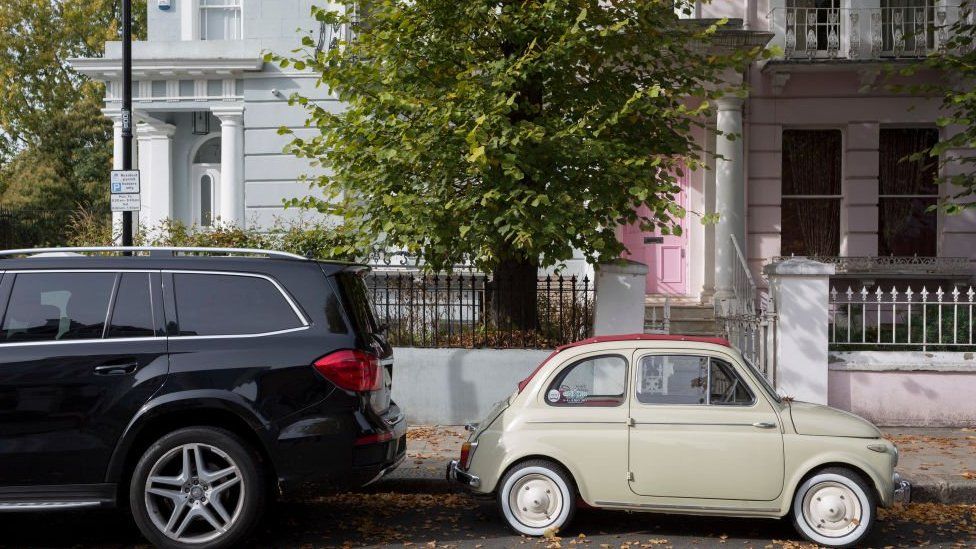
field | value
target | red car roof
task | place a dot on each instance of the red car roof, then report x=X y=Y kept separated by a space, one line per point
x=624 y=337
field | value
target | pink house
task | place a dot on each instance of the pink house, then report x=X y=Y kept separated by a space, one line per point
x=818 y=173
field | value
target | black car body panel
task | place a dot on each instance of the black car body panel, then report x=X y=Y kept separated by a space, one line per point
x=75 y=412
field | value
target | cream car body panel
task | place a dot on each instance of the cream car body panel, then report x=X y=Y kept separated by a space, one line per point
x=692 y=459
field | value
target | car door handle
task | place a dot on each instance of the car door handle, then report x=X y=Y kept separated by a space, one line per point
x=120 y=369
x=764 y=425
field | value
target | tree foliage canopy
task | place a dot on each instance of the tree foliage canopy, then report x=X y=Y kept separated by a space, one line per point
x=55 y=148
x=500 y=130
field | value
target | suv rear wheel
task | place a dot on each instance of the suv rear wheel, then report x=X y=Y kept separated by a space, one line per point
x=197 y=487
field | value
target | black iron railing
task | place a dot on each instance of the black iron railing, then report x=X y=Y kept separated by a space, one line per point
x=475 y=310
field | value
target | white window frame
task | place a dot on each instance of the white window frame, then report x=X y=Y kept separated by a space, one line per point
x=192 y=18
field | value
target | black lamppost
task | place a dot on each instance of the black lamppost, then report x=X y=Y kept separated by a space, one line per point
x=127 y=108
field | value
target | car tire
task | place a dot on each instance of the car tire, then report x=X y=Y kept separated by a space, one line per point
x=834 y=507
x=537 y=497
x=198 y=487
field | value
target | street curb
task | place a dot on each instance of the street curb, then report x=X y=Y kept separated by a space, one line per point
x=936 y=490
x=414 y=486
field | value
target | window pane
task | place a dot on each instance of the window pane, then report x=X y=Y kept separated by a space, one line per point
x=726 y=388
x=361 y=307
x=597 y=381
x=901 y=176
x=132 y=314
x=220 y=19
x=666 y=379
x=907 y=228
x=811 y=162
x=57 y=306
x=206 y=201
x=230 y=305
x=810 y=226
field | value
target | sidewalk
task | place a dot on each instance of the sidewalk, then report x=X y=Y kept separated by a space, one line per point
x=940 y=463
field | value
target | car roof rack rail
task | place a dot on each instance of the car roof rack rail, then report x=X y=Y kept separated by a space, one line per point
x=165 y=250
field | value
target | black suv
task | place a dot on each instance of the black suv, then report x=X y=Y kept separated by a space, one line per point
x=189 y=385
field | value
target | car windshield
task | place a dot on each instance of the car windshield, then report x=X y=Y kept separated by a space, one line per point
x=768 y=387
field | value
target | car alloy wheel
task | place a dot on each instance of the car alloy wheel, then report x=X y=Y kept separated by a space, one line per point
x=195 y=493
x=834 y=508
x=537 y=496
x=198 y=487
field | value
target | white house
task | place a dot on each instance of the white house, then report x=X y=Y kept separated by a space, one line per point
x=208 y=108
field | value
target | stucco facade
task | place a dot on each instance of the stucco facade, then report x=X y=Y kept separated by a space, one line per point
x=229 y=162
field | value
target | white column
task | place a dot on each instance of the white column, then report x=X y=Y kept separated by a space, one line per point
x=116 y=117
x=231 y=164
x=620 y=298
x=156 y=172
x=729 y=192
x=799 y=288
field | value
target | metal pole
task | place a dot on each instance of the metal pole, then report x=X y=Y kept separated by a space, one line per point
x=127 y=108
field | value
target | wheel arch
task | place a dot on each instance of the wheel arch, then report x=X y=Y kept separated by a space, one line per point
x=573 y=477
x=859 y=469
x=188 y=410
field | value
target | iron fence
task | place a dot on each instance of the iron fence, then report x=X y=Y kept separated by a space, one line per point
x=475 y=310
x=902 y=319
x=21 y=228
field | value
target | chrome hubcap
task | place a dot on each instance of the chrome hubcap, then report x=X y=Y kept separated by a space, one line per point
x=535 y=500
x=832 y=509
x=194 y=493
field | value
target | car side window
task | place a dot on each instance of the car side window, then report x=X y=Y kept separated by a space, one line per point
x=685 y=379
x=57 y=307
x=725 y=387
x=217 y=304
x=132 y=314
x=595 y=381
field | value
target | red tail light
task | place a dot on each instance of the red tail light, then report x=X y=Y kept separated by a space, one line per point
x=465 y=456
x=351 y=370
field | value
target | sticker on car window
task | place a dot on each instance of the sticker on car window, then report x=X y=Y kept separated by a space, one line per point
x=574 y=395
x=554 y=396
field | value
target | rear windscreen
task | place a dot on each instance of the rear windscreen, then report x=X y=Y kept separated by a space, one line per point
x=361 y=308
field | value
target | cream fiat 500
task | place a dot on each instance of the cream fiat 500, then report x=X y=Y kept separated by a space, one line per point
x=675 y=424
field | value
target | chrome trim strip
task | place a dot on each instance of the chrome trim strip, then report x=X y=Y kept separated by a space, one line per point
x=118 y=249
x=45 y=505
x=650 y=506
x=588 y=422
x=692 y=424
x=237 y=336
x=85 y=341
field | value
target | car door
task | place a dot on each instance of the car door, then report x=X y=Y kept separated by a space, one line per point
x=699 y=429
x=80 y=352
x=581 y=418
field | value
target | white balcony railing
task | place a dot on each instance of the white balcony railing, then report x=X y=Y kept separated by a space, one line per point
x=909 y=31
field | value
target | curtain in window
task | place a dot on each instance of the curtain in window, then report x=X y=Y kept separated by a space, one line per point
x=905 y=225
x=811 y=173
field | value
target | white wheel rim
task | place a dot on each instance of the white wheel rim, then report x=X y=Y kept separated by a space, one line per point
x=536 y=500
x=832 y=509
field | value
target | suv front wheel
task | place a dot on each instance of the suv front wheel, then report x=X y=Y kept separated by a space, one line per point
x=197 y=487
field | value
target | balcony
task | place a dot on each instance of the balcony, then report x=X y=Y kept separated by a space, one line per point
x=861 y=33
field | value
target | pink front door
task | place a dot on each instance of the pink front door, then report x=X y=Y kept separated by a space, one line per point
x=664 y=255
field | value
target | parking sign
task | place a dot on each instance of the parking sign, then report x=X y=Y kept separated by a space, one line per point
x=125 y=182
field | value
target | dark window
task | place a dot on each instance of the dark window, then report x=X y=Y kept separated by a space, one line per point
x=132 y=314
x=597 y=381
x=811 y=192
x=819 y=17
x=361 y=307
x=57 y=306
x=211 y=304
x=908 y=188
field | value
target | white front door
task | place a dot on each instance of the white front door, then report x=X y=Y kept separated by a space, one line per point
x=204 y=194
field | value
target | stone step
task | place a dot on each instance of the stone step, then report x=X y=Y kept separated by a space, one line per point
x=681 y=312
x=686 y=327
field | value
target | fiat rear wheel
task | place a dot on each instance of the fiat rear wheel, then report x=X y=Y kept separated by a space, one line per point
x=536 y=497
x=834 y=508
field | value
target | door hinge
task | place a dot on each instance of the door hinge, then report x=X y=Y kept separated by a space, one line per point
x=631 y=422
x=630 y=476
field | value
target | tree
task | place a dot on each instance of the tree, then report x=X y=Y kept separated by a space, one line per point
x=955 y=63
x=508 y=133
x=55 y=145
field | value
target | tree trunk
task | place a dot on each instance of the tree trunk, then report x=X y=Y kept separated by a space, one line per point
x=515 y=301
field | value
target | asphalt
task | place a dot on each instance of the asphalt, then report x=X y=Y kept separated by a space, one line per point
x=939 y=462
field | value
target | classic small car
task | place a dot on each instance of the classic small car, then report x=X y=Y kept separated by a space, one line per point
x=675 y=424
